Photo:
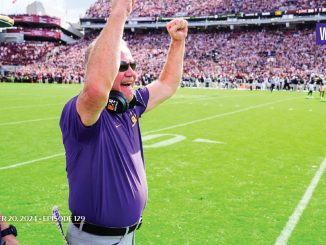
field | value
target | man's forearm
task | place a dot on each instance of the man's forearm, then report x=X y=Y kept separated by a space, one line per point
x=173 y=67
x=171 y=74
x=103 y=63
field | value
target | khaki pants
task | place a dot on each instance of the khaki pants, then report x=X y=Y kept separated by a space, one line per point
x=77 y=237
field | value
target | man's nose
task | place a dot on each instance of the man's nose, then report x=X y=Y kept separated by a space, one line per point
x=130 y=71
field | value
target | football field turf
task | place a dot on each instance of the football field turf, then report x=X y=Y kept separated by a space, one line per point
x=223 y=166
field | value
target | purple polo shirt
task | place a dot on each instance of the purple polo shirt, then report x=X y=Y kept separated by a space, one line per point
x=105 y=164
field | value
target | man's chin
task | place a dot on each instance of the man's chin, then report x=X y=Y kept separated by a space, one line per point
x=128 y=93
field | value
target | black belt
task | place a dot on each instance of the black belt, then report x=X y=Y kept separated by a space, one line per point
x=103 y=230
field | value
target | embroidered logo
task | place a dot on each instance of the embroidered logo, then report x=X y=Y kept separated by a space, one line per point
x=134 y=120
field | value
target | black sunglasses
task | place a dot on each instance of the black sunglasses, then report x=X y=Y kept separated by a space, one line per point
x=124 y=66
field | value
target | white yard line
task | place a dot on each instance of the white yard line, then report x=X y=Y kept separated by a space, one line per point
x=217 y=116
x=28 y=106
x=28 y=121
x=162 y=129
x=295 y=217
x=187 y=100
x=208 y=141
x=31 y=161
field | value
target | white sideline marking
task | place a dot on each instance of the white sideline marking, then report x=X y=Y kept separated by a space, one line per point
x=28 y=106
x=217 y=116
x=175 y=126
x=31 y=161
x=295 y=217
x=208 y=141
x=186 y=99
x=27 y=121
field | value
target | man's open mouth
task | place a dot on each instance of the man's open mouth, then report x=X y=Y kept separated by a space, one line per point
x=126 y=84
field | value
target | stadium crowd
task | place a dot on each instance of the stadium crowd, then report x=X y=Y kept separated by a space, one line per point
x=62 y=65
x=23 y=53
x=147 y=8
x=224 y=55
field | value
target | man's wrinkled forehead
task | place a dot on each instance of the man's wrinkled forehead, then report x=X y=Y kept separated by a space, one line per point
x=125 y=53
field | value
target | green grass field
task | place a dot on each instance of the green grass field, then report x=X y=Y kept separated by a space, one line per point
x=240 y=188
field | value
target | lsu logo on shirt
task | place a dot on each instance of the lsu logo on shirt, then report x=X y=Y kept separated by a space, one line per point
x=134 y=119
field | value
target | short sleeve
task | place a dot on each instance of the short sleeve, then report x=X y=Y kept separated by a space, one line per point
x=71 y=124
x=142 y=97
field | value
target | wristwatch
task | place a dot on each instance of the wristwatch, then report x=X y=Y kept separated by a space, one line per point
x=11 y=230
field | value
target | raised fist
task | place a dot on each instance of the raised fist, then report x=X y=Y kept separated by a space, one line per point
x=122 y=6
x=178 y=29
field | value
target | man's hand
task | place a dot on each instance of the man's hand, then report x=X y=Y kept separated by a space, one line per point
x=122 y=6
x=178 y=29
x=10 y=240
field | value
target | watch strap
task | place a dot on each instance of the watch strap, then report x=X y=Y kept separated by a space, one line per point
x=11 y=230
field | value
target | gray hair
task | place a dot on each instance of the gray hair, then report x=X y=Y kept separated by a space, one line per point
x=90 y=47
